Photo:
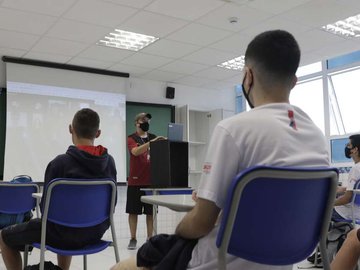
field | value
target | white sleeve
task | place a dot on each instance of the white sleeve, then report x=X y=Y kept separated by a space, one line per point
x=354 y=175
x=220 y=167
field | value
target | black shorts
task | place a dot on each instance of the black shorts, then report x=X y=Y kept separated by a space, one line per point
x=27 y=233
x=133 y=203
x=18 y=235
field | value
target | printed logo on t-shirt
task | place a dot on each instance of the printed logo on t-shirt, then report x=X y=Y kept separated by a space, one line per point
x=292 y=119
x=207 y=168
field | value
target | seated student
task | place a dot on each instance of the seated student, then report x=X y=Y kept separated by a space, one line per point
x=274 y=133
x=342 y=204
x=81 y=160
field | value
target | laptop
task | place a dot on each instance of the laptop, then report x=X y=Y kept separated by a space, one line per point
x=175 y=132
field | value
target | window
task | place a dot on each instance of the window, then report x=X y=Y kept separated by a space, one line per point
x=344 y=100
x=309 y=97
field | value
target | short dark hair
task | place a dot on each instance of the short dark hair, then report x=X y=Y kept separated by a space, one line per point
x=275 y=52
x=355 y=141
x=86 y=123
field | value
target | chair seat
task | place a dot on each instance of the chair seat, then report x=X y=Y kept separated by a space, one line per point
x=89 y=249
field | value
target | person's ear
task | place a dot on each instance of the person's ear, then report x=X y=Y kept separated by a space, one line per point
x=70 y=129
x=293 y=82
x=98 y=133
x=248 y=78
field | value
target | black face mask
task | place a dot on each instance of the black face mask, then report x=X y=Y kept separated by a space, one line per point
x=144 y=126
x=348 y=152
x=246 y=95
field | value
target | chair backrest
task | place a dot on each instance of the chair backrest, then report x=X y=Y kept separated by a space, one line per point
x=356 y=197
x=276 y=216
x=79 y=202
x=17 y=198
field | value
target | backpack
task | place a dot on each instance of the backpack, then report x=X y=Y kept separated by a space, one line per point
x=336 y=237
x=11 y=219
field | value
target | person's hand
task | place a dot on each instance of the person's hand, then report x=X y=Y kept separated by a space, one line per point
x=158 y=138
x=194 y=196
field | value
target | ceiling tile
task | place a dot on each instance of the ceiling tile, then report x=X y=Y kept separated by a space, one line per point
x=275 y=23
x=217 y=73
x=133 y=70
x=19 y=21
x=86 y=62
x=49 y=7
x=184 y=9
x=131 y=3
x=183 y=67
x=48 y=57
x=152 y=24
x=12 y=52
x=100 y=13
x=317 y=13
x=164 y=76
x=198 y=34
x=276 y=7
x=102 y=53
x=77 y=31
x=336 y=49
x=209 y=56
x=146 y=60
x=236 y=43
x=246 y=16
x=58 y=46
x=170 y=48
x=316 y=39
x=17 y=40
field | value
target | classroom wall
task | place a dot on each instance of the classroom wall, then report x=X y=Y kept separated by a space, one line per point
x=140 y=90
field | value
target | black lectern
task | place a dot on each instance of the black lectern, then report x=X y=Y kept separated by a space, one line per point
x=169 y=163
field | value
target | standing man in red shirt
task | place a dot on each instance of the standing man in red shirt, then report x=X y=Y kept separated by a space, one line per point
x=139 y=175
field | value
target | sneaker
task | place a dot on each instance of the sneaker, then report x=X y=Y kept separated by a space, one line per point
x=132 y=243
x=312 y=258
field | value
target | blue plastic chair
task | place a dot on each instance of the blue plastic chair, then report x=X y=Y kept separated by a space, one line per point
x=17 y=199
x=78 y=203
x=277 y=216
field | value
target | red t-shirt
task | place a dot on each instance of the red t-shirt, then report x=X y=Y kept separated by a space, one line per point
x=92 y=150
x=139 y=174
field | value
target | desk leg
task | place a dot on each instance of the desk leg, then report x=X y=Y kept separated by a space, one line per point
x=155 y=219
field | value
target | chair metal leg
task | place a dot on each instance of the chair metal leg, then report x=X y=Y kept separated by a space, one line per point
x=26 y=254
x=85 y=262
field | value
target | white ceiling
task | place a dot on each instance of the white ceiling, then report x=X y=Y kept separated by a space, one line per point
x=195 y=35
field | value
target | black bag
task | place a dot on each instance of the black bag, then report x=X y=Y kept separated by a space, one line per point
x=47 y=266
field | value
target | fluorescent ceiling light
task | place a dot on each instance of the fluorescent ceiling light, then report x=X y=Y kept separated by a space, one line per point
x=349 y=27
x=237 y=63
x=126 y=40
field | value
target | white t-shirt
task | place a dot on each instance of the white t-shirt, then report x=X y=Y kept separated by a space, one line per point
x=277 y=134
x=345 y=210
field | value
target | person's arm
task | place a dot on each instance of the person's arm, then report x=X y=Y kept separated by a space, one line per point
x=199 y=221
x=138 y=150
x=344 y=199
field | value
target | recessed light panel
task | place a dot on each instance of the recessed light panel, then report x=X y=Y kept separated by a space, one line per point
x=127 y=40
x=237 y=63
x=350 y=27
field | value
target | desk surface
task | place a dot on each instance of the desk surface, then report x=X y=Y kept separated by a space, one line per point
x=179 y=203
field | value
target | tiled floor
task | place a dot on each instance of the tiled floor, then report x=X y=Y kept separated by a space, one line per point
x=167 y=221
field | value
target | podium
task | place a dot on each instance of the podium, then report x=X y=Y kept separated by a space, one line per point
x=169 y=164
